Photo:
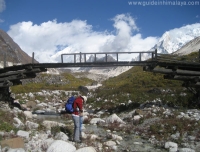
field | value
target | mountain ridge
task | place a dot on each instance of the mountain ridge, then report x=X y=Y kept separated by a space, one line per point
x=191 y=46
x=12 y=52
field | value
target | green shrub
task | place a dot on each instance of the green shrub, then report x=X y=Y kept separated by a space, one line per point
x=6 y=127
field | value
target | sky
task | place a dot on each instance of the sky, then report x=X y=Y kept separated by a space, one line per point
x=47 y=27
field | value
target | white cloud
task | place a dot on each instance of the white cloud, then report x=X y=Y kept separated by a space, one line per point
x=51 y=38
x=2 y=5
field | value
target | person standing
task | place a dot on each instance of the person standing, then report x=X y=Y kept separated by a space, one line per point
x=77 y=116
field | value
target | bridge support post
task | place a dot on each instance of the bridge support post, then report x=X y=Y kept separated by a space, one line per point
x=95 y=57
x=80 y=57
x=74 y=58
x=199 y=55
x=61 y=58
x=84 y=57
x=5 y=96
x=4 y=60
x=140 y=56
x=32 y=57
x=156 y=52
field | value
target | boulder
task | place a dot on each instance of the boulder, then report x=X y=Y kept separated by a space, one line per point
x=186 y=150
x=13 y=143
x=22 y=133
x=61 y=136
x=173 y=147
x=31 y=125
x=138 y=112
x=49 y=124
x=86 y=149
x=96 y=120
x=110 y=143
x=114 y=137
x=18 y=123
x=114 y=119
x=28 y=114
x=61 y=146
x=16 y=150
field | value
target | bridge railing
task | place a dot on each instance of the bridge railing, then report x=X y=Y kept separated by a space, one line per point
x=95 y=57
x=108 y=57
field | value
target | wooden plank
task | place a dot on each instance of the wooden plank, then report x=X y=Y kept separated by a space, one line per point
x=35 y=70
x=174 y=71
x=18 y=77
x=182 y=78
x=6 y=84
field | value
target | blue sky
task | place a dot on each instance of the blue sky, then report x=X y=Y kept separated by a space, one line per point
x=93 y=16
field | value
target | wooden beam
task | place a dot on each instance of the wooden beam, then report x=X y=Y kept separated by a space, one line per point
x=175 y=72
x=182 y=78
x=35 y=70
x=18 y=77
x=6 y=84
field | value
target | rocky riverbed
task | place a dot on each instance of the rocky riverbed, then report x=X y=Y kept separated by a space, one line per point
x=151 y=127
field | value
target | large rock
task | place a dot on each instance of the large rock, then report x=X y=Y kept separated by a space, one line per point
x=28 y=114
x=49 y=124
x=86 y=149
x=114 y=137
x=186 y=150
x=22 y=133
x=13 y=143
x=110 y=143
x=17 y=123
x=16 y=150
x=61 y=136
x=83 y=89
x=138 y=112
x=114 y=119
x=173 y=147
x=31 y=125
x=61 y=146
x=96 y=120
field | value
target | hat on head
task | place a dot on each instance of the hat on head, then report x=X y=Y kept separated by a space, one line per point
x=84 y=98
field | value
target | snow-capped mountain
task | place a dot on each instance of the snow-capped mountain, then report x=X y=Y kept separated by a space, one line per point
x=174 y=39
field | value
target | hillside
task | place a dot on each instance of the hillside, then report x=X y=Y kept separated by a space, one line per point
x=14 y=54
x=191 y=46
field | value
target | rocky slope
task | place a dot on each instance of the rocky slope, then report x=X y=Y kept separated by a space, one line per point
x=14 y=54
x=153 y=126
x=191 y=46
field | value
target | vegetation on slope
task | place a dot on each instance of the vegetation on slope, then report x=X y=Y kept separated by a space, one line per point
x=138 y=86
x=65 y=81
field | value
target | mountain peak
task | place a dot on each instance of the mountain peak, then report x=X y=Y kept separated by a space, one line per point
x=174 y=39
